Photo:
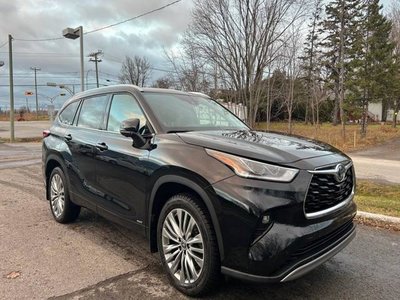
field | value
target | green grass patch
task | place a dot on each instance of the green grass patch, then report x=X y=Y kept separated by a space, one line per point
x=378 y=198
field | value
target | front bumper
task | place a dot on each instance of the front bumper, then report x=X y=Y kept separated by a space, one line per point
x=300 y=268
x=286 y=246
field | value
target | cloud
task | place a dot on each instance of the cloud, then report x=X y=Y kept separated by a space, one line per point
x=59 y=59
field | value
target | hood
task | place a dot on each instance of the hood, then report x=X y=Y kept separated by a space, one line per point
x=263 y=146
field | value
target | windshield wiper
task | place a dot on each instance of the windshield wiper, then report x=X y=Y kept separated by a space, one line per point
x=178 y=131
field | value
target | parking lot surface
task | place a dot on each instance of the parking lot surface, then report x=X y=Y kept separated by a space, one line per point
x=24 y=129
x=96 y=259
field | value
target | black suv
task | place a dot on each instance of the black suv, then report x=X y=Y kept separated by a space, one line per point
x=211 y=195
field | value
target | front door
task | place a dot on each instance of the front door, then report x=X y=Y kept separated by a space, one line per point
x=121 y=169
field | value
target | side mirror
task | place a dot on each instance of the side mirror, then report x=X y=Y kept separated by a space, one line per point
x=130 y=128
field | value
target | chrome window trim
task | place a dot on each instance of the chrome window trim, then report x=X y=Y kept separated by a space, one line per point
x=338 y=206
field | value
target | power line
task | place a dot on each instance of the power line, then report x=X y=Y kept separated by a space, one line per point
x=2 y=45
x=44 y=73
x=104 y=27
x=39 y=40
x=51 y=54
x=134 y=18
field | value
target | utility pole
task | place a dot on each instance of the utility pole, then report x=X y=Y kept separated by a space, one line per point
x=36 y=94
x=10 y=38
x=94 y=56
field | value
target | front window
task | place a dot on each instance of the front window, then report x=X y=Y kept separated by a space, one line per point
x=123 y=107
x=177 y=112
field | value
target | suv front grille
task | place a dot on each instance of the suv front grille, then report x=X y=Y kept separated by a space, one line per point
x=325 y=191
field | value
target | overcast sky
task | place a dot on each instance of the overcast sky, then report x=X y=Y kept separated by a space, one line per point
x=59 y=59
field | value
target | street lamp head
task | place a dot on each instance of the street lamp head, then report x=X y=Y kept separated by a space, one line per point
x=71 y=33
x=94 y=60
x=1 y=63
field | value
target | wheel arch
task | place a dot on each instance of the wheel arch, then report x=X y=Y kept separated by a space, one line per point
x=169 y=185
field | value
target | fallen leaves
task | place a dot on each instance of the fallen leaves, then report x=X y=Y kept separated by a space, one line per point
x=13 y=275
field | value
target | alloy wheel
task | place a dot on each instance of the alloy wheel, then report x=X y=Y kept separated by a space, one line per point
x=57 y=195
x=183 y=246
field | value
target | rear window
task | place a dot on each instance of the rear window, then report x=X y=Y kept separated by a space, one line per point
x=68 y=114
x=92 y=112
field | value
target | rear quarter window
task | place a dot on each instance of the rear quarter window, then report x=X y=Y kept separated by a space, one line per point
x=67 y=115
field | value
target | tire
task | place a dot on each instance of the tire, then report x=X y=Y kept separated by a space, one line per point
x=194 y=248
x=63 y=210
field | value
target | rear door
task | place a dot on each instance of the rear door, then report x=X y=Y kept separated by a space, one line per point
x=82 y=140
x=121 y=168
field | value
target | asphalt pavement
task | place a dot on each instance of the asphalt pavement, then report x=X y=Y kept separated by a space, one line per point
x=24 y=129
x=380 y=163
x=96 y=259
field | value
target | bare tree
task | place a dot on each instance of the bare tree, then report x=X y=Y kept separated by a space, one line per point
x=190 y=72
x=237 y=35
x=292 y=67
x=320 y=93
x=135 y=71
x=165 y=82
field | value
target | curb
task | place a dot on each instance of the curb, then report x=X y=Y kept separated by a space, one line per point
x=378 y=220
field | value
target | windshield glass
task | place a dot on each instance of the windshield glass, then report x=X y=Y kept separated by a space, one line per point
x=177 y=112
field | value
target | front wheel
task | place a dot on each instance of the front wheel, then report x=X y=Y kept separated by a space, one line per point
x=188 y=246
x=63 y=210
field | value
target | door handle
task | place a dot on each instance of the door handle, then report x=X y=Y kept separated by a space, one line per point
x=68 y=137
x=102 y=146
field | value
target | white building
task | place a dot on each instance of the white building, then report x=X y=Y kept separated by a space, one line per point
x=239 y=109
x=375 y=112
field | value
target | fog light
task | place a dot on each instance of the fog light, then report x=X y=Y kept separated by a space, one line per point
x=265 y=219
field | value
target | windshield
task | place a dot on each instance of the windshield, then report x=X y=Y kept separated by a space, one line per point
x=177 y=113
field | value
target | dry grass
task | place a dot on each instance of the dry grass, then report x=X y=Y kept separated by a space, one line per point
x=22 y=140
x=378 y=198
x=377 y=134
x=43 y=116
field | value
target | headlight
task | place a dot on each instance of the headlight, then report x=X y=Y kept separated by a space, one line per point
x=253 y=169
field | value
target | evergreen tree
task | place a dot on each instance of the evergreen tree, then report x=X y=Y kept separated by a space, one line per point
x=311 y=59
x=341 y=28
x=373 y=66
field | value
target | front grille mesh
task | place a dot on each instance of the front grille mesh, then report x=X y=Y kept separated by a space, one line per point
x=325 y=191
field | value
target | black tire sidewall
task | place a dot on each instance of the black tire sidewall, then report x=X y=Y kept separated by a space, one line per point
x=181 y=202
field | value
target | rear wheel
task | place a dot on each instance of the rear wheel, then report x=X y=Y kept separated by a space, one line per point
x=188 y=246
x=63 y=210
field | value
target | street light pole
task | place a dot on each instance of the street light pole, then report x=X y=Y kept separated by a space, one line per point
x=10 y=38
x=63 y=86
x=73 y=34
x=36 y=94
x=82 y=66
